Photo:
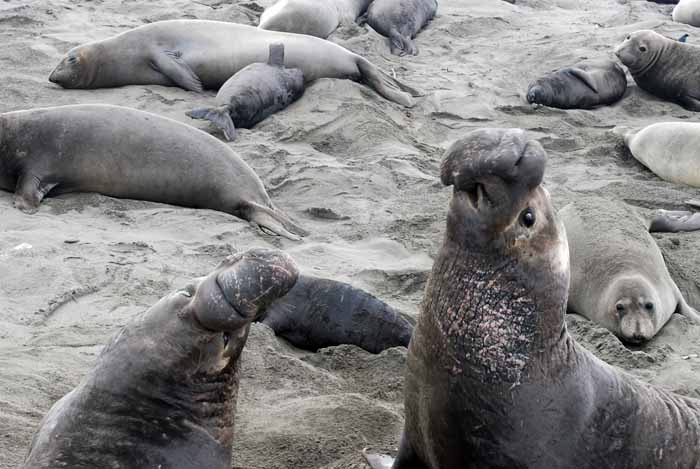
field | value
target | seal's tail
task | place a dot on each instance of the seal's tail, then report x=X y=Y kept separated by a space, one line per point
x=274 y=220
x=387 y=86
x=219 y=116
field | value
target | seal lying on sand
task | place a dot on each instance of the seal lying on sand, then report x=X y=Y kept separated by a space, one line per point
x=493 y=378
x=197 y=54
x=618 y=275
x=688 y=12
x=319 y=313
x=663 y=67
x=254 y=93
x=313 y=17
x=400 y=21
x=584 y=86
x=163 y=391
x=131 y=154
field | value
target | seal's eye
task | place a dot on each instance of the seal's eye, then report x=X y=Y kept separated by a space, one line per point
x=527 y=218
x=620 y=307
x=649 y=306
x=72 y=60
x=629 y=37
x=642 y=48
x=227 y=337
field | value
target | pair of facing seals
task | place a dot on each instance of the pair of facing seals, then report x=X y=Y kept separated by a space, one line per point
x=493 y=378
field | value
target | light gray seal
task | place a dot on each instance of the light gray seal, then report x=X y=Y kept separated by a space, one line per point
x=163 y=391
x=126 y=153
x=313 y=17
x=688 y=12
x=400 y=21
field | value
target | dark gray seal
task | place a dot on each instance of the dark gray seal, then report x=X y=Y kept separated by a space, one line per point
x=493 y=378
x=254 y=93
x=163 y=391
x=131 y=154
x=663 y=67
x=584 y=86
x=197 y=54
x=319 y=313
x=400 y=21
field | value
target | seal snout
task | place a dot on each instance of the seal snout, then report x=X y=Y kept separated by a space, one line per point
x=535 y=94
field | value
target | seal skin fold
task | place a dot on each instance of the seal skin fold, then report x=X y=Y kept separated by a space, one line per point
x=493 y=378
x=163 y=391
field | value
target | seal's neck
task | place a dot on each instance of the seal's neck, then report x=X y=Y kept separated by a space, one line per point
x=653 y=59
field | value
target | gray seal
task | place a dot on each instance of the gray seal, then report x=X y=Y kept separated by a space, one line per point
x=162 y=393
x=313 y=17
x=198 y=54
x=584 y=86
x=400 y=21
x=254 y=93
x=126 y=153
x=663 y=67
x=493 y=378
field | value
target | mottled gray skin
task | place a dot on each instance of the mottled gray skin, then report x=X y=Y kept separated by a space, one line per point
x=163 y=391
x=131 y=154
x=400 y=21
x=321 y=313
x=584 y=86
x=254 y=93
x=618 y=275
x=493 y=379
x=663 y=67
x=198 y=54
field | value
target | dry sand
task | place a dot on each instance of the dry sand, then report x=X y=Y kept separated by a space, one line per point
x=75 y=272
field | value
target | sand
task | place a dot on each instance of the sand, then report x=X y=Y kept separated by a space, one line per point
x=75 y=272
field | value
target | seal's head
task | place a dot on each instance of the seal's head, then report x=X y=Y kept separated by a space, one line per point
x=75 y=69
x=631 y=304
x=640 y=50
x=538 y=93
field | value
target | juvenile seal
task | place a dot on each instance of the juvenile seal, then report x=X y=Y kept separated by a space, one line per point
x=400 y=21
x=162 y=393
x=493 y=378
x=663 y=67
x=254 y=93
x=584 y=86
x=688 y=12
x=618 y=275
x=313 y=17
x=197 y=54
x=319 y=313
x=122 y=152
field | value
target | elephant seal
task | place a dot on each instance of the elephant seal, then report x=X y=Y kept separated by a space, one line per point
x=584 y=86
x=122 y=152
x=162 y=393
x=400 y=21
x=254 y=93
x=319 y=313
x=493 y=378
x=663 y=67
x=198 y=54
x=688 y=12
x=618 y=275
x=312 y=17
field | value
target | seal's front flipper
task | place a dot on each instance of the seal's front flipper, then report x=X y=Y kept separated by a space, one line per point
x=30 y=191
x=685 y=309
x=170 y=64
x=583 y=76
x=690 y=103
x=400 y=44
x=272 y=220
x=673 y=221
x=378 y=461
x=276 y=55
x=219 y=116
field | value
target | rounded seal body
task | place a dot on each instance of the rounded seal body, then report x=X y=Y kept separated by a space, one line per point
x=688 y=12
x=400 y=21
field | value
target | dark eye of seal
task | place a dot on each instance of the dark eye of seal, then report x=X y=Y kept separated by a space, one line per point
x=649 y=306
x=629 y=37
x=527 y=218
x=642 y=48
x=620 y=307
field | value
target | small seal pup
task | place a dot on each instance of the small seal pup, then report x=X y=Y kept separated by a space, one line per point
x=663 y=67
x=313 y=17
x=688 y=12
x=400 y=21
x=254 y=93
x=198 y=54
x=584 y=86
x=126 y=153
x=162 y=393
x=618 y=275
x=493 y=378
x=320 y=312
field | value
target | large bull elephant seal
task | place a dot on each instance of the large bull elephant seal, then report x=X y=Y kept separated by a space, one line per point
x=163 y=391
x=493 y=379
x=688 y=12
x=313 y=17
x=132 y=154
x=618 y=275
x=400 y=21
x=198 y=54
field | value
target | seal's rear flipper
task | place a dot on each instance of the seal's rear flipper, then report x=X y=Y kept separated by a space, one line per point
x=276 y=55
x=219 y=116
x=685 y=309
x=273 y=220
x=400 y=44
x=170 y=64
x=673 y=221
x=389 y=87
x=690 y=103
x=378 y=461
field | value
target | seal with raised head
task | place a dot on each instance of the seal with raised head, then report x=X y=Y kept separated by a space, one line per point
x=586 y=85
x=320 y=312
x=663 y=67
x=493 y=378
x=254 y=93
x=618 y=275
x=198 y=54
x=688 y=12
x=163 y=391
x=126 y=153
x=400 y=21
x=313 y=17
